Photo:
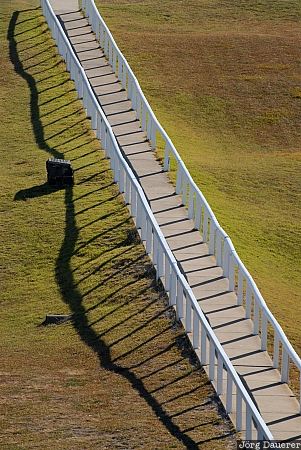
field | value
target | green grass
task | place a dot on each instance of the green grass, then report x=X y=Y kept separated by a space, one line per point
x=120 y=374
x=224 y=80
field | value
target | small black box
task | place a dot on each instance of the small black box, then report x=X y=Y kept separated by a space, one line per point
x=59 y=172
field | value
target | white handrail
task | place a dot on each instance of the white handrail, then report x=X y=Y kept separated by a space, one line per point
x=180 y=293
x=199 y=210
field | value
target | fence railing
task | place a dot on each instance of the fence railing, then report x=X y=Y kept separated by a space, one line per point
x=221 y=371
x=220 y=245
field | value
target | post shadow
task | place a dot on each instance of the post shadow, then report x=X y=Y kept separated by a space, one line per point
x=70 y=294
x=35 y=191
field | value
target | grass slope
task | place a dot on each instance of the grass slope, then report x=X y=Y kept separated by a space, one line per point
x=224 y=80
x=119 y=375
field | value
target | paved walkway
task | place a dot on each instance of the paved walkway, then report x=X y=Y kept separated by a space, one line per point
x=275 y=401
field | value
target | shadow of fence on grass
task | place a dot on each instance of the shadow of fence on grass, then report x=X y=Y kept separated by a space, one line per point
x=179 y=406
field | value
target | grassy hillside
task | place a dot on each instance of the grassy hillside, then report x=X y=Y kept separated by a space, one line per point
x=119 y=374
x=224 y=80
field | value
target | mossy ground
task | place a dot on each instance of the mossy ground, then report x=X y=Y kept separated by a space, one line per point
x=224 y=80
x=120 y=374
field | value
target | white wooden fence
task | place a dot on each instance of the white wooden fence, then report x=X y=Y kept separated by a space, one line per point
x=220 y=245
x=179 y=292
